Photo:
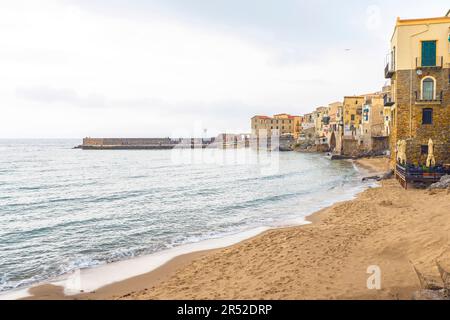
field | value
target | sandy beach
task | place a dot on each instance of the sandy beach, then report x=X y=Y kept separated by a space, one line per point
x=385 y=226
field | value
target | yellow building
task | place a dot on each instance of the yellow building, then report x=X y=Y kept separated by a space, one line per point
x=418 y=65
x=321 y=127
x=352 y=114
x=280 y=124
x=335 y=113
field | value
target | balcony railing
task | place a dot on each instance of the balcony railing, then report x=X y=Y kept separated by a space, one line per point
x=437 y=99
x=388 y=100
x=438 y=63
x=389 y=70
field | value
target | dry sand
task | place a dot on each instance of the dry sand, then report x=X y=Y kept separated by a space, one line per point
x=328 y=259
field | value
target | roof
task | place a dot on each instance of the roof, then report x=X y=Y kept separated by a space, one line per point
x=286 y=114
x=354 y=97
x=262 y=117
x=409 y=22
x=412 y=22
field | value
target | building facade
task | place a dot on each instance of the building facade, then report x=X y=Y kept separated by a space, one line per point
x=335 y=113
x=352 y=114
x=321 y=124
x=281 y=124
x=418 y=65
x=372 y=135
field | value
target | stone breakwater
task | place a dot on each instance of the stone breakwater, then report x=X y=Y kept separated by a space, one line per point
x=160 y=143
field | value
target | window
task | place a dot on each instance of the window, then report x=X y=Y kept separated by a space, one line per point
x=428 y=53
x=427 y=116
x=353 y=117
x=424 y=149
x=428 y=89
x=393 y=59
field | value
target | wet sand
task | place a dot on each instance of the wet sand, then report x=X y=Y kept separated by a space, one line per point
x=328 y=259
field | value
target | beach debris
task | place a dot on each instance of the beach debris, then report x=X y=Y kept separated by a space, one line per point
x=377 y=178
x=428 y=295
x=386 y=176
x=445 y=276
x=433 y=288
x=444 y=183
x=427 y=282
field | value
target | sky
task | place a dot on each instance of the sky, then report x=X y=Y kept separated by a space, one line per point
x=160 y=68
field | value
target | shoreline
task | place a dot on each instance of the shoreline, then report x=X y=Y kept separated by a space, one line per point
x=386 y=226
x=157 y=273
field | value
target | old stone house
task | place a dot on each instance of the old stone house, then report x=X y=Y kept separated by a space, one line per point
x=418 y=65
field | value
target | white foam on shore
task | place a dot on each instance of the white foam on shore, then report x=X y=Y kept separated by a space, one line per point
x=91 y=279
x=15 y=294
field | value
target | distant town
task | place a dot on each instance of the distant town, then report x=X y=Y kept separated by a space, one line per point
x=408 y=119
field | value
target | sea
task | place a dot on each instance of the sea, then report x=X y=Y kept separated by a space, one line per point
x=63 y=209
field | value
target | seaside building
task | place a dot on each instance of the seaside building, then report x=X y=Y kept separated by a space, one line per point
x=388 y=102
x=372 y=136
x=352 y=114
x=280 y=124
x=418 y=65
x=308 y=121
x=356 y=130
x=335 y=111
x=321 y=125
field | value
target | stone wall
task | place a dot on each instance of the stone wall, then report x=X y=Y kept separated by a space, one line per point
x=125 y=141
x=417 y=133
x=379 y=144
x=351 y=148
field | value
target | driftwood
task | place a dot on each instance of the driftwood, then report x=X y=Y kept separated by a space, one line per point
x=431 y=287
x=445 y=276
x=387 y=175
x=427 y=282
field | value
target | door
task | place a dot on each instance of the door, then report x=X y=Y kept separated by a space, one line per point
x=428 y=53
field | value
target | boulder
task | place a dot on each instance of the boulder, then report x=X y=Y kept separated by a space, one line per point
x=444 y=183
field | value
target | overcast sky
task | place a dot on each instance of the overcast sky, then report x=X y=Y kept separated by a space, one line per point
x=136 y=68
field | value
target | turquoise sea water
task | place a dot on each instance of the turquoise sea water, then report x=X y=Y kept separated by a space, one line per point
x=63 y=209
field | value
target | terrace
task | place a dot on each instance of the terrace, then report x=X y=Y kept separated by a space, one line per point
x=409 y=174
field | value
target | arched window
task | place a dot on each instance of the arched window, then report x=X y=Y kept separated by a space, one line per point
x=428 y=89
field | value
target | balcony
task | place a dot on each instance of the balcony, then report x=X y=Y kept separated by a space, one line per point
x=388 y=100
x=389 y=70
x=430 y=63
x=437 y=100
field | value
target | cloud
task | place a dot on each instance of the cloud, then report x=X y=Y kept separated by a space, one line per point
x=131 y=68
x=48 y=95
